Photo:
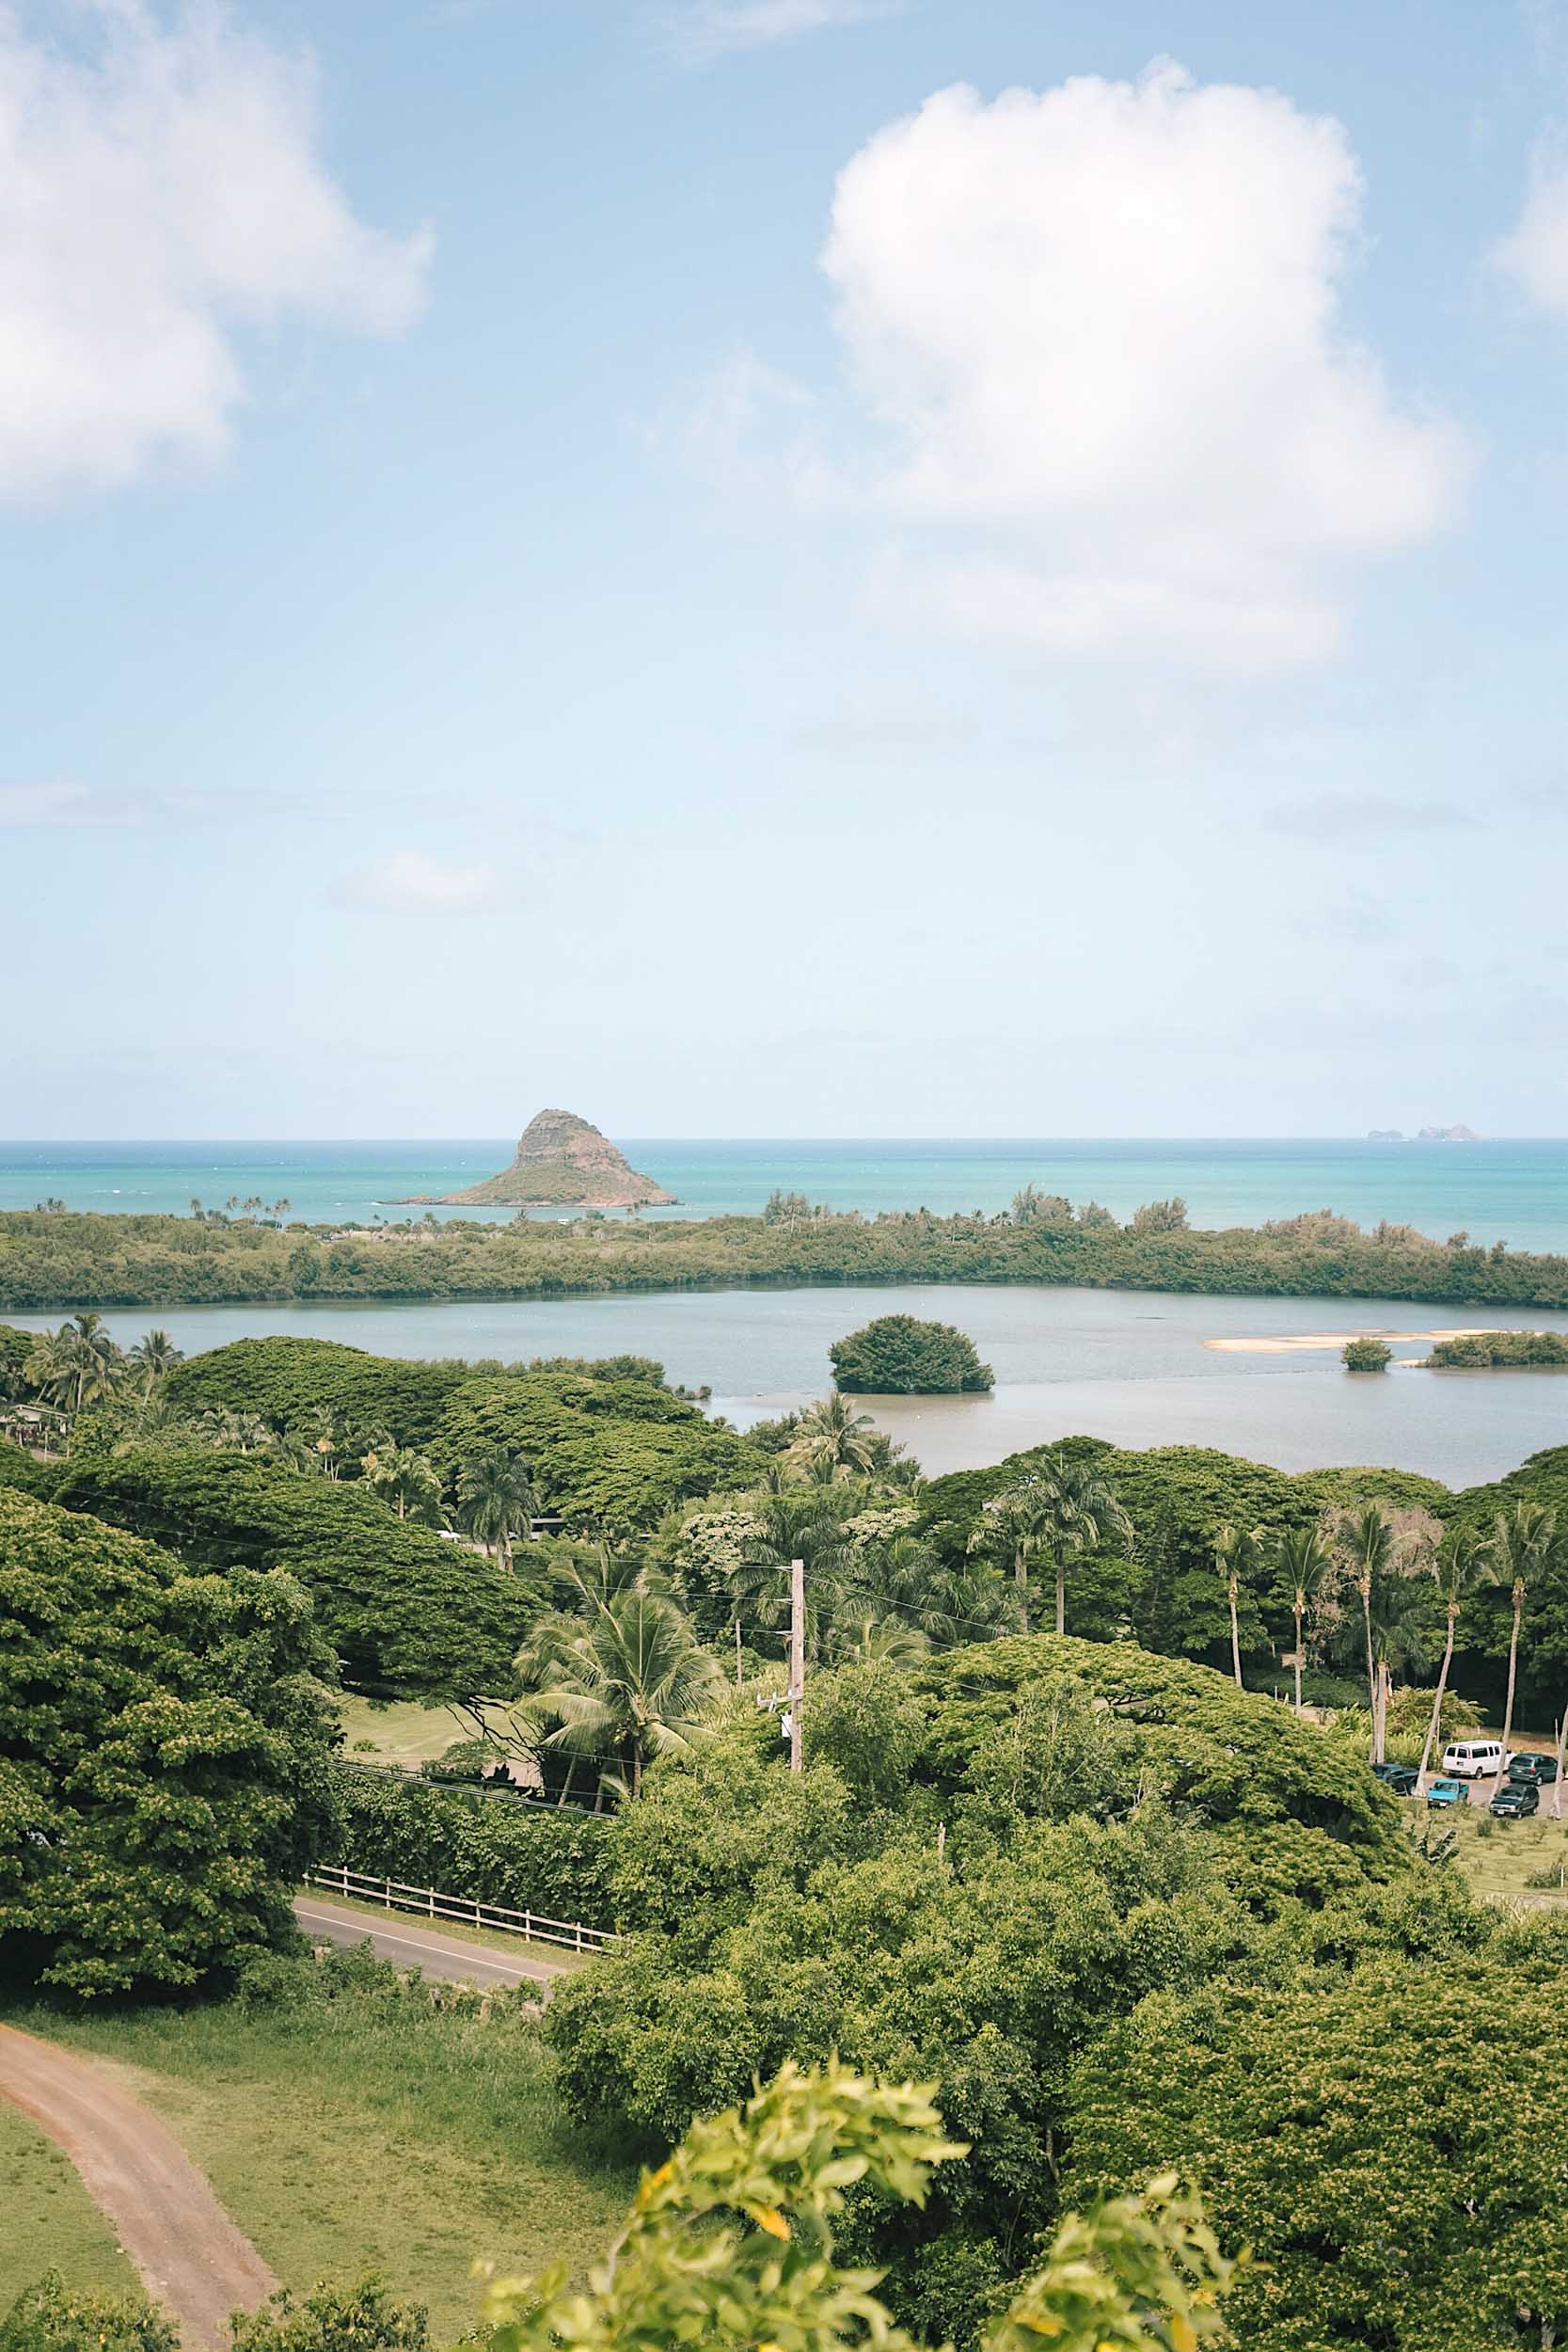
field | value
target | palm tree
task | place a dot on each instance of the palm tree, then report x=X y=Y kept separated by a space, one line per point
x=1460 y=1566
x=1367 y=1541
x=833 y=1433
x=802 y=1523
x=1518 y=1548
x=1238 y=1551
x=1062 y=1508
x=1402 y=1632
x=155 y=1355
x=627 y=1685
x=869 y=1639
x=1305 y=1559
x=494 y=1501
x=405 y=1479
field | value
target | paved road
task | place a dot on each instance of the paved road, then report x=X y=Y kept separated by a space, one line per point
x=414 y=1944
x=190 y=2256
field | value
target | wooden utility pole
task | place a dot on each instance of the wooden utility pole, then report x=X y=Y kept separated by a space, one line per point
x=738 y=1653
x=797 y=1660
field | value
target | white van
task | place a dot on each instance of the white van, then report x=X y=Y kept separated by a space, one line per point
x=1473 y=1759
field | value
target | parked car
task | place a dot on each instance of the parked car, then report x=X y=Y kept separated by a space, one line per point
x=1473 y=1759
x=1447 y=1793
x=1538 y=1770
x=1400 y=1778
x=1514 y=1800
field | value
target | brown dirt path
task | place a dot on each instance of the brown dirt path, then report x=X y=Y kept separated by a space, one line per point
x=188 y=2253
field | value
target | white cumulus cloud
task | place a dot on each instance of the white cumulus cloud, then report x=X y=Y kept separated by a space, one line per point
x=405 y=882
x=1095 y=333
x=1536 y=254
x=161 y=191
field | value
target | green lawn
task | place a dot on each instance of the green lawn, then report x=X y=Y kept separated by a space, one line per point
x=351 y=2130
x=402 y=1732
x=1500 y=1857
x=47 y=2219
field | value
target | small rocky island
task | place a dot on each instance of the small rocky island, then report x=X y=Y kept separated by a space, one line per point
x=562 y=1162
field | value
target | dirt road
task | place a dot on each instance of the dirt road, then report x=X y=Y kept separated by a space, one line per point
x=190 y=2256
x=411 y=1944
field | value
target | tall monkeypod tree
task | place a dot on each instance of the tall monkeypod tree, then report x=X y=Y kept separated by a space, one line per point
x=1304 y=1557
x=1238 y=1551
x=1062 y=1508
x=1519 y=1548
x=1460 y=1566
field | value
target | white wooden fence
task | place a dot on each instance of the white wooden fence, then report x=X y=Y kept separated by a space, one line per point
x=429 y=1903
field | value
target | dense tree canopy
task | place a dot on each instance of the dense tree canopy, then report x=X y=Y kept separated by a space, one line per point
x=163 y=1756
x=57 y=1260
x=900 y=1356
x=1391 y=2144
x=409 y=1613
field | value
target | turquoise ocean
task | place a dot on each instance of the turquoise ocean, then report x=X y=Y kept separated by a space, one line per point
x=1512 y=1191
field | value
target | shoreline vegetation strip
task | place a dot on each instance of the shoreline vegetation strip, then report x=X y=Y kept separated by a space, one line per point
x=60 y=1259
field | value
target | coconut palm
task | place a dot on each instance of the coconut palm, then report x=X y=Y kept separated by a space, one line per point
x=1402 y=1633
x=1460 y=1566
x=494 y=1501
x=1238 y=1552
x=406 y=1480
x=1521 y=1543
x=865 y=1637
x=803 y=1523
x=1365 y=1543
x=155 y=1355
x=832 y=1432
x=624 y=1686
x=1305 y=1560
x=1062 y=1509
x=971 y=1602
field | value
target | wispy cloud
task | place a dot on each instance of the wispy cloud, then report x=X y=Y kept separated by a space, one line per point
x=405 y=882
x=698 y=32
x=63 y=805
x=1356 y=816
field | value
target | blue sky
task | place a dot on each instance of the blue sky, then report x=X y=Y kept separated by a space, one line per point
x=783 y=567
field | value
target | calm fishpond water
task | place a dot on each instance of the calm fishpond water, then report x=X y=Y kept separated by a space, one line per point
x=1132 y=1366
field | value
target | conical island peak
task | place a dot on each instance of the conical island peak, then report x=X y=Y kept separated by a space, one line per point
x=564 y=1161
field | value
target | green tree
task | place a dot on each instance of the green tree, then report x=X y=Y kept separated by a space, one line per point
x=626 y=1686
x=1461 y=1567
x=1062 y=1507
x=155 y=1355
x=1365 y=1541
x=1238 y=1551
x=406 y=1480
x=1366 y=1355
x=162 y=1751
x=731 y=2244
x=1305 y=1561
x=49 y=2317
x=1522 y=1542
x=362 y=2319
x=897 y=1355
x=496 y=1500
x=829 y=1435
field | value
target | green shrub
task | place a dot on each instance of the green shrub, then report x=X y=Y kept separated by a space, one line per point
x=364 y=2319
x=46 y=2318
x=540 y=1858
x=898 y=1356
x=1479 y=1350
x=1366 y=1355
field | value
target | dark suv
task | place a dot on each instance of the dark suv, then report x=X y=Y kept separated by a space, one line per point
x=1514 y=1799
x=1531 y=1769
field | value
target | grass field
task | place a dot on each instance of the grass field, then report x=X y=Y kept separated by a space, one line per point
x=358 y=2128
x=1499 y=1858
x=399 y=1732
x=47 y=2219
